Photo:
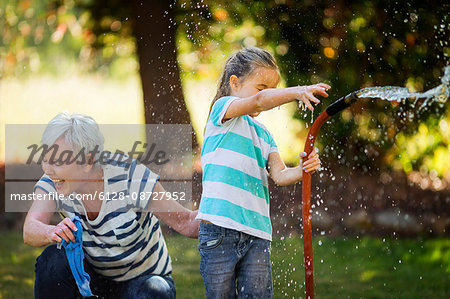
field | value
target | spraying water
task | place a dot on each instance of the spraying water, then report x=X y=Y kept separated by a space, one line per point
x=394 y=93
x=303 y=107
x=439 y=94
x=390 y=93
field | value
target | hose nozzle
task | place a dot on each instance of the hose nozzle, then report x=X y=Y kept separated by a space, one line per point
x=351 y=98
x=342 y=103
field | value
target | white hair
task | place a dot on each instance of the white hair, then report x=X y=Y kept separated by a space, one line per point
x=81 y=132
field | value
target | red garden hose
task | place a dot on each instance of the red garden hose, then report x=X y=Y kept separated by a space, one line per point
x=331 y=110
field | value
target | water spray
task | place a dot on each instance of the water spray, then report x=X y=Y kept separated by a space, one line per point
x=391 y=93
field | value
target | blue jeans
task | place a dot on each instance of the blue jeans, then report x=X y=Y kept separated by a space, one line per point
x=234 y=264
x=55 y=280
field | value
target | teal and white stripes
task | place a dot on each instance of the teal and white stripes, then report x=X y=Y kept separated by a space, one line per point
x=235 y=185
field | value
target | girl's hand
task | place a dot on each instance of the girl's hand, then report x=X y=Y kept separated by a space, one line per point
x=305 y=94
x=313 y=162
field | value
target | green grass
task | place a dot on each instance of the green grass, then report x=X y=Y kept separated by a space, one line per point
x=16 y=266
x=365 y=268
x=344 y=267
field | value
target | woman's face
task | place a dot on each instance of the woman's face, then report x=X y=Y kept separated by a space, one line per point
x=60 y=165
x=260 y=79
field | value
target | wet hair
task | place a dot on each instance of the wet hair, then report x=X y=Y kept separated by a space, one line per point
x=79 y=131
x=242 y=64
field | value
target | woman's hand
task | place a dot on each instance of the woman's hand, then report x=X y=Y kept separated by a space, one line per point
x=173 y=213
x=63 y=230
x=305 y=94
x=191 y=228
x=312 y=163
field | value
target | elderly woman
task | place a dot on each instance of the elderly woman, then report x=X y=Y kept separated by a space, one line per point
x=125 y=252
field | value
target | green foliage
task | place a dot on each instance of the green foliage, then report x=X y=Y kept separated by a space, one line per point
x=349 y=45
x=65 y=36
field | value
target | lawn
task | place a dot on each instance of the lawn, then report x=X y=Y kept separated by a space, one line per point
x=364 y=267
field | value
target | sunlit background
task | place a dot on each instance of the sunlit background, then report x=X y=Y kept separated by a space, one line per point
x=54 y=57
x=48 y=68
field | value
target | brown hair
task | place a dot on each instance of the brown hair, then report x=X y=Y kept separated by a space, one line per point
x=242 y=64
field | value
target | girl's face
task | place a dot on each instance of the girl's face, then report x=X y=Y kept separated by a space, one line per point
x=67 y=175
x=261 y=78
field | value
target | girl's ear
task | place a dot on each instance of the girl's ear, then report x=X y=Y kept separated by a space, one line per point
x=234 y=82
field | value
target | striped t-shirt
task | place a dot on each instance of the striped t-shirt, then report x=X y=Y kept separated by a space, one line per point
x=125 y=240
x=234 y=160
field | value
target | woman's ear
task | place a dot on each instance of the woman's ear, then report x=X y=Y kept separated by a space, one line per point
x=234 y=82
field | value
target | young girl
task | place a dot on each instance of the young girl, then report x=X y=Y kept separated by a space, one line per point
x=237 y=156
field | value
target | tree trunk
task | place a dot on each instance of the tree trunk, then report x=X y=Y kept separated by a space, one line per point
x=164 y=103
x=156 y=48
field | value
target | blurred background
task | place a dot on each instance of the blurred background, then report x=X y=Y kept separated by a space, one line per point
x=381 y=205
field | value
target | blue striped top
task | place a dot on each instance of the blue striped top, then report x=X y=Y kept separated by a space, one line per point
x=125 y=240
x=235 y=185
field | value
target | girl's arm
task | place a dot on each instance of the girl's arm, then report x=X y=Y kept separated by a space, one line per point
x=283 y=175
x=272 y=97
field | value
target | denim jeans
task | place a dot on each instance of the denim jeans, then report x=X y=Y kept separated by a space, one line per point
x=54 y=279
x=234 y=264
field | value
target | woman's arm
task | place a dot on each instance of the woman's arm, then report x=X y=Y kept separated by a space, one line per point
x=37 y=230
x=272 y=97
x=174 y=214
x=283 y=175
